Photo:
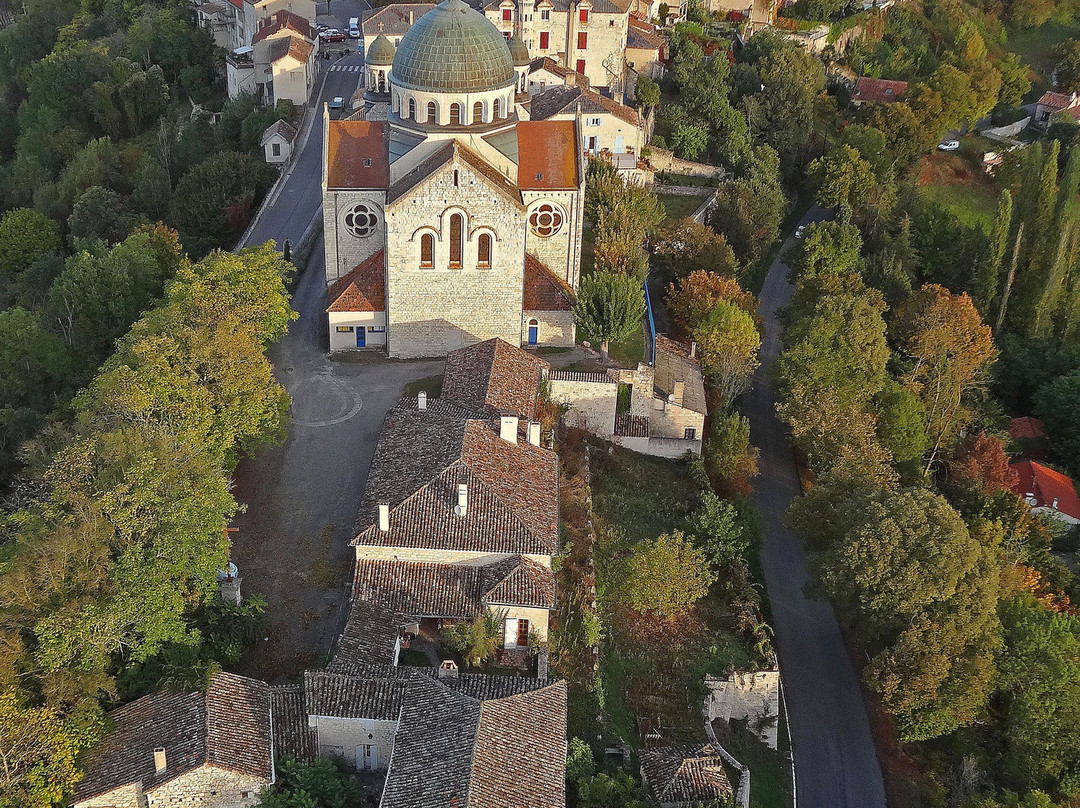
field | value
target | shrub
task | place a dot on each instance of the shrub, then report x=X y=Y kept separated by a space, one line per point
x=667 y=576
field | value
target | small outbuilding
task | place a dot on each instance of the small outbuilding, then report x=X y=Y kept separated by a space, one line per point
x=277 y=142
x=685 y=776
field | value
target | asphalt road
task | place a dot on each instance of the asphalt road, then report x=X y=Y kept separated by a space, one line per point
x=835 y=762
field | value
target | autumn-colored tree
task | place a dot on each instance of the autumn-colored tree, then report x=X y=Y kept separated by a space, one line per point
x=729 y=343
x=949 y=349
x=687 y=247
x=667 y=576
x=698 y=293
x=980 y=463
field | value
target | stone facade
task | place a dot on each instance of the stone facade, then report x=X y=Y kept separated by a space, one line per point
x=344 y=250
x=365 y=743
x=591 y=398
x=207 y=787
x=129 y=796
x=554 y=328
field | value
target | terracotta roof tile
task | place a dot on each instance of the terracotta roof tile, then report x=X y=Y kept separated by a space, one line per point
x=1056 y=102
x=548 y=153
x=1026 y=428
x=293 y=738
x=548 y=64
x=296 y=47
x=279 y=127
x=685 y=775
x=544 y=290
x=564 y=99
x=867 y=89
x=1046 y=485
x=356 y=155
x=641 y=34
x=363 y=288
x=494 y=377
x=395 y=19
x=282 y=20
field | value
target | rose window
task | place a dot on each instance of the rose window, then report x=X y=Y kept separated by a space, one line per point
x=546 y=221
x=361 y=221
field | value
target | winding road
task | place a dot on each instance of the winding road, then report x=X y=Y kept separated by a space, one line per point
x=835 y=762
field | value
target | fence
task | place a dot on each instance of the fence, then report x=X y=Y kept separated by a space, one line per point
x=650 y=336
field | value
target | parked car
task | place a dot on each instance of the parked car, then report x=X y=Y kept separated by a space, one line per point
x=337 y=103
x=949 y=145
x=354 y=27
x=800 y=231
x=332 y=35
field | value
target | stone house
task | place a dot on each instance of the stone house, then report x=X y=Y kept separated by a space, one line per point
x=212 y=749
x=460 y=515
x=1062 y=104
x=685 y=776
x=454 y=197
x=586 y=36
x=667 y=409
x=233 y=23
x=279 y=62
x=646 y=52
x=392 y=21
x=277 y=142
x=607 y=127
x=1047 y=491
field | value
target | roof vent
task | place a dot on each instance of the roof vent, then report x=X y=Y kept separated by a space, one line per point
x=384 y=517
x=367 y=162
x=1054 y=504
x=159 y=759
x=421 y=400
x=534 y=433
x=508 y=428
x=462 y=507
x=539 y=176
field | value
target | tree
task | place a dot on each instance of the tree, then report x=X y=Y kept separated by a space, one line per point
x=728 y=452
x=697 y=294
x=99 y=215
x=1067 y=69
x=646 y=92
x=729 y=343
x=25 y=237
x=34 y=364
x=904 y=135
x=749 y=210
x=1055 y=404
x=687 y=246
x=618 y=790
x=1033 y=277
x=476 y=640
x=901 y=425
x=988 y=277
x=844 y=179
x=826 y=248
x=981 y=465
x=322 y=783
x=667 y=576
x=950 y=350
x=720 y=530
x=609 y=307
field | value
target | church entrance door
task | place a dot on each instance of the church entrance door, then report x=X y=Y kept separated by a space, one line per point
x=533 y=329
x=361 y=336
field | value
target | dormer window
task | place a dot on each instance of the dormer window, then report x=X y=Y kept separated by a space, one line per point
x=583 y=16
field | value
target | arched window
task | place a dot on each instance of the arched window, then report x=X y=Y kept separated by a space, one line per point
x=427 y=251
x=478 y=112
x=455 y=240
x=412 y=109
x=432 y=112
x=455 y=114
x=483 y=250
x=496 y=109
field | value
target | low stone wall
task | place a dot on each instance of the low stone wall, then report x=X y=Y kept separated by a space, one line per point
x=663 y=160
x=1010 y=130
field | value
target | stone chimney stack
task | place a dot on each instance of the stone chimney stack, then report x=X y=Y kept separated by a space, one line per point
x=508 y=428
x=693 y=350
x=159 y=759
x=421 y=400
x=462 y=507
x=677 y=392
x=384 y=517
x=534 y=433
x=448 y=669
x=1055 y=504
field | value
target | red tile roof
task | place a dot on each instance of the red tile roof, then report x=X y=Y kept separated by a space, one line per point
x=1055 y=102
x=363 y=288
x=547 y=155
x=494 y=378
x=645 y=33
x=867 y=90
x=544 y=290
x=284 y=19
x=356 y=155
x=1046 y=486
x=685 y=775
x=1026 y=428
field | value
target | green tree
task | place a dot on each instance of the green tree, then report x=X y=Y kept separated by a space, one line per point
x=322 y=783
x=728 y=452
x=988 y=278
x=618 y=790
x=749 y=210
x=1067 y=69
x=25 y=237
x=844 y=179
x=729 y=343
x=609 y=307
x=901 y=425
x=34 y=364
x=687 y=247
x=99 y=215
x=646 y=92
x=1032 y=280
x=1055 y=404
x=721 y=530
x=667 y=576
x=476 y=640
x=826 y=248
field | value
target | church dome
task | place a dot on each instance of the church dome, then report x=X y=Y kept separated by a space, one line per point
x=381 y=52
x=519 y=51
x=453 y=48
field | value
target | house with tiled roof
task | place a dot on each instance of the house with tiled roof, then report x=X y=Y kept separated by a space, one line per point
x=646 y=53
x=1047 y=491
x=442 y=182
x=277 y=142
x=685 y=776
x=877 y=91
x=213 y=749
x=240 y=26
x=1052 y=103
x=392 y=21
x=1028 y=436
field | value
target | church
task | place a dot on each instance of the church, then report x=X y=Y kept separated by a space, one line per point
x=447 y=219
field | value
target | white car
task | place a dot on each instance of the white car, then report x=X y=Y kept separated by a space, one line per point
x=949 y=145
x=800 y=231
x=337 y=103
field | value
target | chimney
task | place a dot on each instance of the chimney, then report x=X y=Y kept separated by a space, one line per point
x=159 y=759
x=410 y=16
x=508 y=428
x=677 y=393
x=448 y=669
x=421 y=400
x=693 y=350
x=534 y=433
x=571 y=79
x=1054 y=505
x=462 y=506
x=384 y=517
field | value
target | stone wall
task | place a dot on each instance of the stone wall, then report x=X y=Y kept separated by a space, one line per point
x=345 y=251
x=130 y=796
x=554 y=328
x=591 y=399
x=434 y=311
x=207 y=787
x=669 y=420
x=559 y=252
x=663 y=160
x=346 y=737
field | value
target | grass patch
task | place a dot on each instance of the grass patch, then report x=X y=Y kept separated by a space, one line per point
x=972 y=206
x=432 y=385
x=1035 y=46
x=628 y=352
x=679 y=206
x=957 y=182
x=770 y=771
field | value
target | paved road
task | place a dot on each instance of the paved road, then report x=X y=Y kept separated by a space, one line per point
x=835 y=762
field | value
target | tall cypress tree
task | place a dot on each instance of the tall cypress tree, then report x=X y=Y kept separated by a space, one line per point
x=1038 y=252
x=1064 y=226
x=988 y=277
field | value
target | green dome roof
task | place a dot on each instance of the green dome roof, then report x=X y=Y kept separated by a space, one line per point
x=519 y=52
x=453 y=47
x=381 y=52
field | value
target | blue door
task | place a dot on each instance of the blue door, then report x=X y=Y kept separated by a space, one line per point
x=533 y=329
x=361 y=336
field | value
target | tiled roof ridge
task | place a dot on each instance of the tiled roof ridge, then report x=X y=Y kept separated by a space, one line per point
x=341 y=286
